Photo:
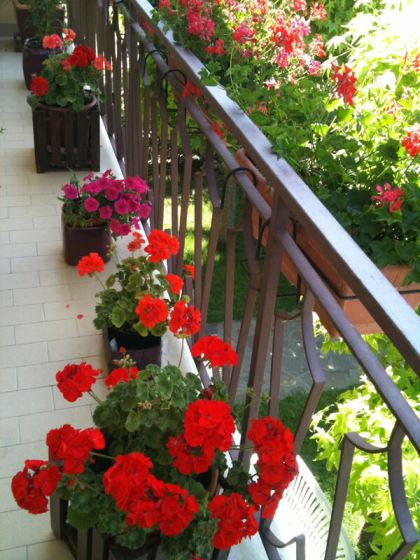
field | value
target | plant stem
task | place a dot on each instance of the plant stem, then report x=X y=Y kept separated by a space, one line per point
x=97 y=399
x=102 y=455
x=182 y=352
x=99 y=280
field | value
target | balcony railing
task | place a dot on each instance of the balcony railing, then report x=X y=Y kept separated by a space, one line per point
x=153 y=140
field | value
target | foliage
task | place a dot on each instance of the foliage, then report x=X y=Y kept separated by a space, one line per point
x=44 y=17
x=342 y=121
x=362 y=410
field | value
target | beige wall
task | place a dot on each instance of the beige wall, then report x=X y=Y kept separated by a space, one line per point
x=7 y=14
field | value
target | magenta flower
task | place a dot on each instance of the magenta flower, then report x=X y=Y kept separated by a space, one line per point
x=91 y=204
x=121 y=207
x=144 y=211
x=136 y=184
x=70 y=191
x=105 y=212
x=92 y=188
x=119 y=229
x=387 y=194
x=112 y=193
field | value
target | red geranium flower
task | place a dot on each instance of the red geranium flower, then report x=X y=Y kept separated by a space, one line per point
x=151 y=311
x=121 y=375
x=389 y=195
x=101 y=63
x=185 y=319
x=52 y=42
x=39 y=86
x=161 y=246
x=188 y=459
x=411 y=142
x=175 y=283
x=136 y=243
x=89 y=264
x=217 y=352
x=76 y=379
x=30 y=490
x=235 y=520
x=345 y=79
x=209 y=424
x=126 y=479
x=73 y=446
x=69 y=35
x=81 y=56
x=190 y=269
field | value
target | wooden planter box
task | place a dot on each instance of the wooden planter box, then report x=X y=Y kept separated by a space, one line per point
x=343 y=294
x=64 y=139
x=144 y=350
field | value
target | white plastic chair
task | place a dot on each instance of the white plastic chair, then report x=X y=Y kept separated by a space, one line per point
x=304 y=509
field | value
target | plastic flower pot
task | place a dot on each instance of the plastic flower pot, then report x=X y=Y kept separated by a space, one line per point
x=143 y=350
x=64 y=139
x=80 y=241
x=33 y=57
x=343 y=294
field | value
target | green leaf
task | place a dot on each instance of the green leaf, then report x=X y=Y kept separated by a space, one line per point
x=132 y=422
x=118 y=317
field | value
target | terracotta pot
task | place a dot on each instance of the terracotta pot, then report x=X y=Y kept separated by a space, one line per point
x=64 y=139
x=32 y=58
x=80 y=241
x=144 y=350
x=343 y=294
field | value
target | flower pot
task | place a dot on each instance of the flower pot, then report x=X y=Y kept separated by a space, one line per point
x=64 y=139
x=33 y=57
x=143 y=350
x=343 y=294
x=80 y=241
x=25 y=31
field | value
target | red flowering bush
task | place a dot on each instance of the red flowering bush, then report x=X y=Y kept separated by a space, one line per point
x=139 y=470
x=102 y=199
x=141 y=298
x=70 y=80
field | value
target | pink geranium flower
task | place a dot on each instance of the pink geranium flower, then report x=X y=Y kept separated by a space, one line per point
x=52 y=42
x=91 y=204
x=389 y=195
x=70 y=191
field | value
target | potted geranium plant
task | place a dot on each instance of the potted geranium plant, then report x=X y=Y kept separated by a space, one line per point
x=38 y=19
x=153 y=474
x=64 y=99
x=98 y=208
x=140 y=302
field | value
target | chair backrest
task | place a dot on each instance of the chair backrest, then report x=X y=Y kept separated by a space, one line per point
x=304 y=509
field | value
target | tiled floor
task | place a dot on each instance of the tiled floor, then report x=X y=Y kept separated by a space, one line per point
x=40 y=298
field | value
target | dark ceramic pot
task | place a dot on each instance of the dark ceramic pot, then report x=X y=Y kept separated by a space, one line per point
x=33 y=55
x=144 y=350
x=80 y=241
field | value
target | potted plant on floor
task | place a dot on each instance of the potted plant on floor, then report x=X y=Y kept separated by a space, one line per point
x=98 y=208
x=39 y=19
x=140 y=302
x=153 y=474
x=64 y=99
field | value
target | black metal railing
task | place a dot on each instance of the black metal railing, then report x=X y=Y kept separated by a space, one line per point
x=154 y=130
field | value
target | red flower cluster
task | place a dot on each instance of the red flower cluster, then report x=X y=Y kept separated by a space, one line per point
x=52 y=42
x=149 y=502
x=235 y=520
x=90 y=264
x=389 y=195
x=411 y=142
x=190 y=269
x=214 y=350
x=72 y=446
x=208 y=426
x=185 y=319
x=161 y=246
x=39 y=86
x=81 y=57
x=136 y=243
x=69 y=35
x=76 y=379
x=151 y=311
x=175 y=283
x=121 y=375
x=345 y=79
x=31 y=490
x=276 y=463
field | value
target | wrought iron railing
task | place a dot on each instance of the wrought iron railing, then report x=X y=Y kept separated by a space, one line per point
x=152 y=126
